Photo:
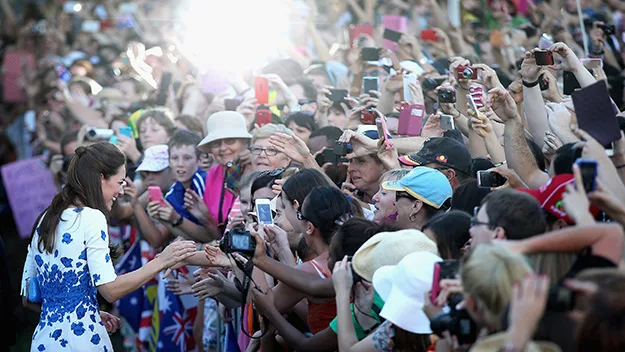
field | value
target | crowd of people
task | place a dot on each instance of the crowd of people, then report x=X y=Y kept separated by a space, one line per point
x=396 y=176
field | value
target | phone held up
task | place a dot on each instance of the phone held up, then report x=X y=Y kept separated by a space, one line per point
x=263 y=211
x=156 y=195
x=588 y=169
x=490 y=179
x=443 y=270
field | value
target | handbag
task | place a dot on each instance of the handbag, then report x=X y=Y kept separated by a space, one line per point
x=33 y=290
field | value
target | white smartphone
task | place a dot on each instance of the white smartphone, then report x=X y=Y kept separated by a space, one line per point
x=90 y=26
x=263 y=211
x=410 y=78
x=472 y=105
x=447 y=123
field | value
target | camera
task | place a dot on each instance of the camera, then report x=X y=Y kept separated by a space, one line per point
x=466 y=72
x=238 y=240
x=560 y=299
x=457 y=322
x=94 y=134
x=342 y=149
x=608 y=29
x=447 y=95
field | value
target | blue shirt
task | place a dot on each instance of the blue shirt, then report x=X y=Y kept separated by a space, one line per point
x=175 y=195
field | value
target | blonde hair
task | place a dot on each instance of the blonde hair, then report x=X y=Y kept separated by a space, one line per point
x=269 y=130
x=488 y=274
x=394 y=175
x=554 y=265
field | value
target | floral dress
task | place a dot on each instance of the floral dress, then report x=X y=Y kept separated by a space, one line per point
x=67 y=277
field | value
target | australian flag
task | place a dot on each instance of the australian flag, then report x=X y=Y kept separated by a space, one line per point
x=130 y=306
x=174 y=330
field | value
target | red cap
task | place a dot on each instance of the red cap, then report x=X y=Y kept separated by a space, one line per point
x=550 y=196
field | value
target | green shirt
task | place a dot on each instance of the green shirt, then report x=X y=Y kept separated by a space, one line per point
x=360 y=332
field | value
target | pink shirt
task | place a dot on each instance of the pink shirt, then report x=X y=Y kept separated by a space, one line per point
x=213 y=192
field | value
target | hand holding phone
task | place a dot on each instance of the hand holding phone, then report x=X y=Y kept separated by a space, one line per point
x=429 y=35
x=443 y=270
x=370 y=54
x=490 y=179
x=447 y=123
x=369 y=84
x=391 y=35
x=543 y=57
x=263 y=117
x=156 y=195
x=383 y=131
x=588 y=169
x=125 y=131
x=338 y=95
x=261 y=89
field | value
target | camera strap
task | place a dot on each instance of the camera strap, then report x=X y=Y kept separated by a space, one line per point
x=244 y=287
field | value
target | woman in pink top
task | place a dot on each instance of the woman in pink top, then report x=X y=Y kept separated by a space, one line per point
x=228 y=141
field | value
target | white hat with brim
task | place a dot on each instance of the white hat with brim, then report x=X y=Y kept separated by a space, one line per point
x=403 y=288
x=389 y=248
x=225 y=124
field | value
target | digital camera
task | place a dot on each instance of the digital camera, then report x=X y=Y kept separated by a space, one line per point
x=466 y=72
x=457 y=322
x=446 y=95
x=238 y=240
x=94 y=134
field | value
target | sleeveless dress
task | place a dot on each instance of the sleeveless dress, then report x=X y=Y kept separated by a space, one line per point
x=320 y=314
x=67 y=277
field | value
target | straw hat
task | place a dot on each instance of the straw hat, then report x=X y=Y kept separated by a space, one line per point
x=225 y=124
x=389 y=248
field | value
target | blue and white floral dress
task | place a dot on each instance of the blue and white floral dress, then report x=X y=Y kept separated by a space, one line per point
x=70 y=317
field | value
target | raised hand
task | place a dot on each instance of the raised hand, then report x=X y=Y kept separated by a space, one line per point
x=195 y=205
x=180 y=286
x=209 y=286
x=503 y=105
x=342 y=278
x=527 y=306
x=571 y=61
x=292 y=146
x=216 y=257
x=529 y=70
x=575 y=201
x=361 y=144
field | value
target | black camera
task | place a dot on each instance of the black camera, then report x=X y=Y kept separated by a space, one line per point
x=342 y=149
x=457 y=322
x=608 y=29
x=560 y=299
x=447 y=95
x=238 y=240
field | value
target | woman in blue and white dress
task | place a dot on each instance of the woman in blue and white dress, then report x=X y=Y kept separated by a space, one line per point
x=69 y=257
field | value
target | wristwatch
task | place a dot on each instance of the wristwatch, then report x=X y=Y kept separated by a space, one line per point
x=531 y=84
x=178 y=221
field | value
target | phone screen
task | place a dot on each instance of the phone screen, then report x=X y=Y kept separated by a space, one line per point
x=391 y=35
x=447 y=123
x=263 y=211
x=338 y=95
x=489 y=179
x=369 y=84
x=588 y=170
x=125 y=131
x=370 y=54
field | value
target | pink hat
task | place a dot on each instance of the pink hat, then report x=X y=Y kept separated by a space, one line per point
x=155 y=159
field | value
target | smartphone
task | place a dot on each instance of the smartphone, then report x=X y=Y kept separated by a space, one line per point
x=370 y=54
x=588 y=170
x=90 y=26
x=263 y=117
x=63 y=73
x=380 y=123
x=156 y=195
x=391 y=35
x=163 y=89
x=369 y=84
x=125 y=131
x=472 y=104
x=263 y=211
x=338 y=95
x=592 y=63
x=127 y=7
x=570 y=83
x=429 y=35
x=342 y=149
x=443 y=270
x=410 y=78
x=596 y=114
x=261 y=89
x=232 y=104
x=543 y=58
x=72 y=7
x=357 y=31
x=327 y=156
x=410 y=119
x=447 y=123
x=490 y=179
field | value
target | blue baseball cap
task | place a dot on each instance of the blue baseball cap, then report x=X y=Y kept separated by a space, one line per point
x=425 y=184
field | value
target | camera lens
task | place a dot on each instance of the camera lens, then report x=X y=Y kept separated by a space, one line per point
x=467 y=73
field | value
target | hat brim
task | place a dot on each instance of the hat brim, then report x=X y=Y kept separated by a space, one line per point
x=382 y=281
x=143 y=167
x=407 y=161
x=223 y=135
x=405 y=312
x=394 y=186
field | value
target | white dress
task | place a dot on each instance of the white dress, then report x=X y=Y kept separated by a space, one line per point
x=70 y=316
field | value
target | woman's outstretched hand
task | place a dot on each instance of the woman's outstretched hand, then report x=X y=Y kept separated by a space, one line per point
x=176 y=252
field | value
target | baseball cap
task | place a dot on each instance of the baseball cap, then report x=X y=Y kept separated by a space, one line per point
x=426 y=184
x=403 y=287
x=550 y=196
x=444 y=151
x=155 y=159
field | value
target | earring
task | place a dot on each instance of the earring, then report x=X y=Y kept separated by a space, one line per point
x=411 y=217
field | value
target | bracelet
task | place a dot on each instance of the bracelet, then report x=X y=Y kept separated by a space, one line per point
x=531 y=84
x=178 y=221
x=620 y=166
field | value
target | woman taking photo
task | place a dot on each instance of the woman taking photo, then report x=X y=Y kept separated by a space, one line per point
x=69 y=260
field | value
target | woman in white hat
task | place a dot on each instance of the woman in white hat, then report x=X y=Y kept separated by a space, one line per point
x=227 y=141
